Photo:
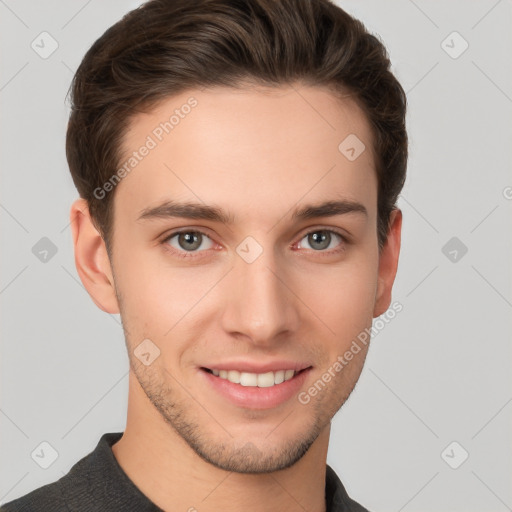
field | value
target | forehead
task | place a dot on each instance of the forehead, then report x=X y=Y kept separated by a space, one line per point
x=258 y=151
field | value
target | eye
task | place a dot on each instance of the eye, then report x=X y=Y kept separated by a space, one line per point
x=322 y=239
x=188 y=241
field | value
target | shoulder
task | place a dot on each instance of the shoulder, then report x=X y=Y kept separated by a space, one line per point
x=337 y=498
x=76 y=490
x=47 y=497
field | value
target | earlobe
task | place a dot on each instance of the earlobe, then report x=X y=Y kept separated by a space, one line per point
x=91 y=258
x=388 y=264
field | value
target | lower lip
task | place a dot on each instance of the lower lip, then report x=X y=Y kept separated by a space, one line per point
x=253 y=397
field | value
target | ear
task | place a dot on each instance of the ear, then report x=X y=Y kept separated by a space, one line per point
x=91 y=258
x=388 y=263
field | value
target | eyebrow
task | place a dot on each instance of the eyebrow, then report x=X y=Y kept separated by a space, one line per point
x=191 y=210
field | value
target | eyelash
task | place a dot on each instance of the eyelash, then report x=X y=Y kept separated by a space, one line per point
x=193 y=254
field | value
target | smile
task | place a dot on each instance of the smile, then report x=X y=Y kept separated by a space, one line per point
x=261 y=380
x=256 y=386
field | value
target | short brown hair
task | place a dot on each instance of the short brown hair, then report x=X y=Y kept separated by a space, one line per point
x=165 y=47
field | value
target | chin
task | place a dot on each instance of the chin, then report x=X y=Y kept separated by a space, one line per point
x=249 y=459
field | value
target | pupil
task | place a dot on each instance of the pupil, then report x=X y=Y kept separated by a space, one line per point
x=191 y=239
x=323 y=239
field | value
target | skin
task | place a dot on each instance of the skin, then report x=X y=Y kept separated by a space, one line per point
x=257 y=153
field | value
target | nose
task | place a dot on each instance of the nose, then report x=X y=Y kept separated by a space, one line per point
x=260 y=304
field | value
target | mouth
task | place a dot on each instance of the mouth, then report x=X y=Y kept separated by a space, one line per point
x=260 y=380
x=251 y=390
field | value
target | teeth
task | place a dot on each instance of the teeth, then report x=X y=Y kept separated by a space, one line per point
x=288 y=374
x=249 y=379
x=234 y=376
x=261 y=380
x=265 y=380
x=279 y=377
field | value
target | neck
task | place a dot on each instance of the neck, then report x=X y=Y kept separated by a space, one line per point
x=174 y=477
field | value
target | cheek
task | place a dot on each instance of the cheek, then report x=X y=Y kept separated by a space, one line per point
x=159 y=300
x=342 y=298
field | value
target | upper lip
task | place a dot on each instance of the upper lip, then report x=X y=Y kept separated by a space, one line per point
x=257 y=367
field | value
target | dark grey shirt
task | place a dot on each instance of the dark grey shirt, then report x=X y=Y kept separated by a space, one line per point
x=97 y=483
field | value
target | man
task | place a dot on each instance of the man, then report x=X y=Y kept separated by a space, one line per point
x=238 y=165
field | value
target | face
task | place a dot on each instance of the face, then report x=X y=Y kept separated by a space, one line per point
x=245 y=254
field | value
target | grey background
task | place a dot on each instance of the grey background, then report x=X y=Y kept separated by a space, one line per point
x=438 y=372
